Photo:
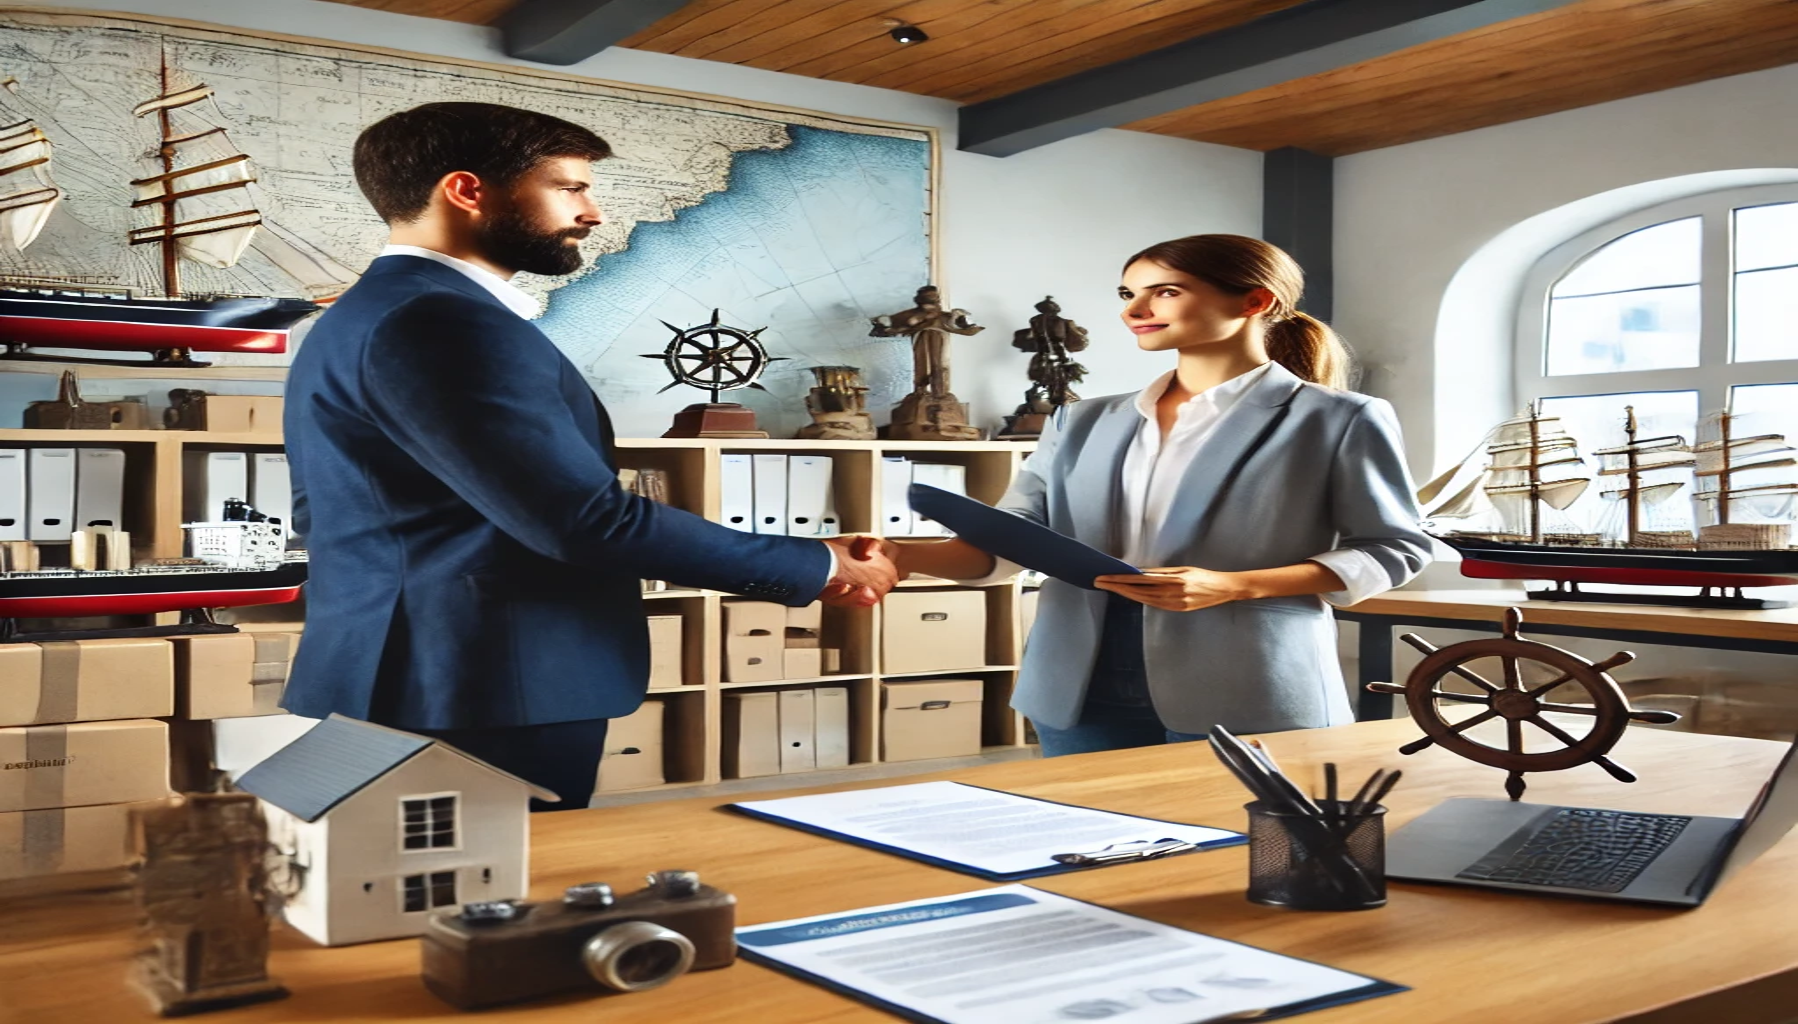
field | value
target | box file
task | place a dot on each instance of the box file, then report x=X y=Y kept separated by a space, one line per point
x=811 y=497
x=947 y=476
x=831 y=731
x=797 y=722
x=271 y=488
x=50 y=494
x=736 y=486
x=895 y=507
x=99 y=488
x=210 y=480
x=13 y=518
x=770 y=476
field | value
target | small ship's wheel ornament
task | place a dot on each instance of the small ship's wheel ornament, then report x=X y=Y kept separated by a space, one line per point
x=713 y=357
x=1518 y=705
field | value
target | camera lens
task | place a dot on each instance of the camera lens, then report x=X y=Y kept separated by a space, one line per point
x=635 y=955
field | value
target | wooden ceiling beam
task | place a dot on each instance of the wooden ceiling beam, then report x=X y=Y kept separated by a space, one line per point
x=1309 y=39
x=570 y=31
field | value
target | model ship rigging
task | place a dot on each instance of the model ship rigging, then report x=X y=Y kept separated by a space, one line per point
x=1533 y=476
x=198 y=204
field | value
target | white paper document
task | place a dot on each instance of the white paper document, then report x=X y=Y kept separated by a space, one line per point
x=1025 y=956
x=994 y=833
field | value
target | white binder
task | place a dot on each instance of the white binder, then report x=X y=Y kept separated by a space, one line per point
x=12 y=494
x=896 y=519
x=948 y=477
x=271 y=488
x=736 y=488
x=99 y=488
x=210 y=480
x=831 y=714
x=811 y=497
x=797 y=712
x=770 y=494
x=50 y=496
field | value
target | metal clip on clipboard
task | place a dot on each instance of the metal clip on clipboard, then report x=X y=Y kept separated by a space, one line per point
x=1140 y=849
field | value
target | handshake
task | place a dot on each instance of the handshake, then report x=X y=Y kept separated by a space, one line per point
x=867 y=568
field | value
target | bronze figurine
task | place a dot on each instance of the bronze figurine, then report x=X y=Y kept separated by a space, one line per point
x=838 y=403
x=931 y=412
x=1053 y=373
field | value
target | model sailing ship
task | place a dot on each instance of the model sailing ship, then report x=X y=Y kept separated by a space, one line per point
x=198 y=203
x=1534 y=474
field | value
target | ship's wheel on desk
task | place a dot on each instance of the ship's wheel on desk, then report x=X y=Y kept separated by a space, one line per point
x=1520 y=705
x=717 y=358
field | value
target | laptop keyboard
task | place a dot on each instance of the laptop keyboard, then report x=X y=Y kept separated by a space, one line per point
x=1580 y=848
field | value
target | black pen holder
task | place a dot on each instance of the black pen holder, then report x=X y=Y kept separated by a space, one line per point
x=1309 y=863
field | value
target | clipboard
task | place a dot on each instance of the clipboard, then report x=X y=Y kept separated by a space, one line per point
x=1017 y=539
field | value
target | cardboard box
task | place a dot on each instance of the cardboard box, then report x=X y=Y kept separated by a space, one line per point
x=751 y=735
x=932 y=631
x=86 y=681
x=754 y=640
x=239 y=414
x=801 y=663
x=44 y=766
x=805 y=626
x=632 y=758
x=930 y=718
x=797 y=731
x=66 y=840
x=232 y=675
x=666 y=659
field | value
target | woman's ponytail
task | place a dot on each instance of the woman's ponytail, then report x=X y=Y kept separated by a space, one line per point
x=1238 y=264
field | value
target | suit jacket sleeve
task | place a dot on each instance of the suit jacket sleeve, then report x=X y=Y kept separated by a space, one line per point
x=1028 y=495
x=1370 y=495
x=474 y=395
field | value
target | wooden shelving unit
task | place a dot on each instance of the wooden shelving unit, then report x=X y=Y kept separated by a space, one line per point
x=694 y=716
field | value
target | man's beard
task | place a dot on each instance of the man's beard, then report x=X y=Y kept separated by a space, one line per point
x=510 y=240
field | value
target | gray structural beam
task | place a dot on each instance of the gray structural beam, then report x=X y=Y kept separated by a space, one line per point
x=570 y=31
x=1297 y=211
x=1298 y=42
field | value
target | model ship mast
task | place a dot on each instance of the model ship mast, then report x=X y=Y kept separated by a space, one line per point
x=1635 y=458
x=1726 y=457
x=25 y=153
x=1525 y=446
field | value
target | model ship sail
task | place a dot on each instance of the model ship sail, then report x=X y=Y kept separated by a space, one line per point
x=198 y=204
x=1747 y=487
x=1643 y=463
x=28 y=194
x=1533 y=463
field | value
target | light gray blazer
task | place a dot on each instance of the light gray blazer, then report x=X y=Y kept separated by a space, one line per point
x=1292 y=470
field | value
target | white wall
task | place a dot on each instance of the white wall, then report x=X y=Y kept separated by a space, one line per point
x=1059 y=220
x=1408 y=218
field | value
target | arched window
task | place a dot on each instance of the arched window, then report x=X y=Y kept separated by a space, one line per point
x=1673 y=313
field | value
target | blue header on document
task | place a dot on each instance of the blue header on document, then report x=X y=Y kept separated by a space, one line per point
x=855 y=923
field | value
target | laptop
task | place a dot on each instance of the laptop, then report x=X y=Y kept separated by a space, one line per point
x=1667 y=859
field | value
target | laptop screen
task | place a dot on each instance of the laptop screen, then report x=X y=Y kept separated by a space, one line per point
x=1771 y=816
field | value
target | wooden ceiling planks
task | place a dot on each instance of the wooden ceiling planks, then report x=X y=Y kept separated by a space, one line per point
x=1589 y=53
x=474 y=12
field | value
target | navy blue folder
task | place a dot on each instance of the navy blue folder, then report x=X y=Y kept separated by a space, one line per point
x=1018 y=539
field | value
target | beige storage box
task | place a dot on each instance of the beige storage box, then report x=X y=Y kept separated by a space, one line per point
x=932 y=631
x=43 y=766
x=241 y=414
x=930 y=718
x=751 y=735
x=66 y=840
x=86 y=681
x=666 y=664
x=232 y=675
x=633 y=753
x=754 y=641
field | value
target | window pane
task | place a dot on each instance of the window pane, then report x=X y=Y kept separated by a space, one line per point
x=1640 y=330
x=415 y=893
x=1767 y=236
x=1666 y=254
x=1767 y=315
x=1597 y=421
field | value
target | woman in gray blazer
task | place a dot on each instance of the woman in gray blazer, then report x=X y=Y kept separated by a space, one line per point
x=1257 y=486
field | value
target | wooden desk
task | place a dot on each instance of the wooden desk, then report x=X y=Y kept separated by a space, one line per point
x=1769 y=632
x=1469 y=955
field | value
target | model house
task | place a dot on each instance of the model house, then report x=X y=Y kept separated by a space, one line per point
x=384 y=826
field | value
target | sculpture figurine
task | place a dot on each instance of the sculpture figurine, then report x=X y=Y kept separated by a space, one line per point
x=931 y=412
x=1049 y=339
x=839 y=406
x=205 y=899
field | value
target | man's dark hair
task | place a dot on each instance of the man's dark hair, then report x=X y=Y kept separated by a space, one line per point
x=401 y=158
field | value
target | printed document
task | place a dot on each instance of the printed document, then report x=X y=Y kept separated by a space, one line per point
x=1025 y=956
x=986 y=830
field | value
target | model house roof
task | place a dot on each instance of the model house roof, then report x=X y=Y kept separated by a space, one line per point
x=335 y=759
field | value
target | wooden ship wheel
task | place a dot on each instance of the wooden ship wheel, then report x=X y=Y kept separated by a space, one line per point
x=1519 y=704
x=713 y=357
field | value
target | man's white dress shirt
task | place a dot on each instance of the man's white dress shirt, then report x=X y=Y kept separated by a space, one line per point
x=515 y=298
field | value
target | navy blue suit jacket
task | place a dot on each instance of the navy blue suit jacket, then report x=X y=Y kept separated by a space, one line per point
x=475 y=562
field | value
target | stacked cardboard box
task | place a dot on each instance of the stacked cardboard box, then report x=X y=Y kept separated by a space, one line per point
x=932 y=631
x=232 y=675
x=925 y=718
x=78 y=747
x=766 y=643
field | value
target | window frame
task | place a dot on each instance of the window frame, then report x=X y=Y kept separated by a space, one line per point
x=1715 y=373
x=455 y=816
x=429 y=883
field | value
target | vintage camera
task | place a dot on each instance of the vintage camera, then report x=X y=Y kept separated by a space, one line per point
x=506 y=951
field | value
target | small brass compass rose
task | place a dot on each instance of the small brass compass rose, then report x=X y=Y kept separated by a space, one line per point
x=714 y=357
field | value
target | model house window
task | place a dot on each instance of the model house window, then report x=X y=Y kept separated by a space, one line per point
x=428 y=822
x=424 y=892
x=1673 y=314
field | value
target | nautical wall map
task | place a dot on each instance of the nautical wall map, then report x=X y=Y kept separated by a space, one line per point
x=807 y=224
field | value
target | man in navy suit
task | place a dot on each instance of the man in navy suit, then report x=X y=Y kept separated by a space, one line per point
x=475 y=563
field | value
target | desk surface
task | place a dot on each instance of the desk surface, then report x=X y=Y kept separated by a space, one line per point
x=1779 y=624
x=1469 y=955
